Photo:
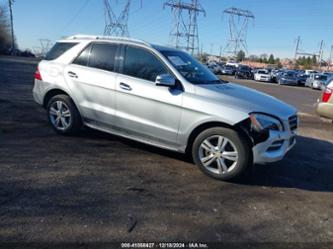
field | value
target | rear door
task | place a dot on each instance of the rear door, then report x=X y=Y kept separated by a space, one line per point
x=92 y=78
x=143 y=109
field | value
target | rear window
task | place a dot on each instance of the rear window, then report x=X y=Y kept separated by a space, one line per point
x=58 y=49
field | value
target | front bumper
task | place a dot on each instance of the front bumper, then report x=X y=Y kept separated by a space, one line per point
x=265 y=79
x=276 y=146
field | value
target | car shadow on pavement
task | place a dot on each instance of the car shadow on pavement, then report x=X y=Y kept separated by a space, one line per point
x=308 y=166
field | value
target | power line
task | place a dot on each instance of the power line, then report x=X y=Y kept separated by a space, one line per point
x=76 y=14
x=184 y=33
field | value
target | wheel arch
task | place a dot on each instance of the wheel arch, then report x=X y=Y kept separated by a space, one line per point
x=51 y=93
x=239 y=127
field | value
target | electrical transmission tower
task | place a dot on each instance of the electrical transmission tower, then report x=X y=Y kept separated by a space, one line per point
x=238 y=25
x=45 y=45
x=116 y=26
x=299 y=51
x=184 y=33
x=330 y=59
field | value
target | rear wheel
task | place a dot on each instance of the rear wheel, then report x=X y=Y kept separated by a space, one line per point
x=63 y=115
x=222 y=153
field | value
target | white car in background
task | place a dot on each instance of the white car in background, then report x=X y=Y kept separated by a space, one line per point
x=262 y=75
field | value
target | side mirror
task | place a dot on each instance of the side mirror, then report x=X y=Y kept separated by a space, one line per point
x=165 y=80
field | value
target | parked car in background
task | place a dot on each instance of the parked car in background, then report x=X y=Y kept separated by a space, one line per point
x=243 y=72
x=325 y=102
x=262 y=75
x=228 y=70
x=316 y=81
x=216 y=69
x=163 y=97
x=288 y=78
x=275 y=74
x=301 y=79
x=308 y=72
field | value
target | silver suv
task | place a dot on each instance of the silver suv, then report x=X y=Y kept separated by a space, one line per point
x=163 y=97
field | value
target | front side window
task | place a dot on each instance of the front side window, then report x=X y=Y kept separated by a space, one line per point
x=190 y=68
x=102 y=56
x=142 y=64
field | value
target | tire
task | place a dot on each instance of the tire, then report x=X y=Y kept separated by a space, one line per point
x=222 y=166
x=63 y=115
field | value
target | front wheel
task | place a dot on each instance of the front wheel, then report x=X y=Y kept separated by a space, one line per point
x=222 y=153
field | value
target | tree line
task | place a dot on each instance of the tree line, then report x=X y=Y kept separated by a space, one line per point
x=263 y=58
x=5 y=37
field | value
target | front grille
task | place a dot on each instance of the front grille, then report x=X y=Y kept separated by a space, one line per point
x=293 y=122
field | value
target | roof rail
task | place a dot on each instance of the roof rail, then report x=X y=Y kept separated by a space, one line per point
x=113 y=38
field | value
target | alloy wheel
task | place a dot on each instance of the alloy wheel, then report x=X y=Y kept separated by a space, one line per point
x=218 y=154
x=60 y=115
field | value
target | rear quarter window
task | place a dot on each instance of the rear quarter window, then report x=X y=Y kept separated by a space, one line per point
x=59 y=49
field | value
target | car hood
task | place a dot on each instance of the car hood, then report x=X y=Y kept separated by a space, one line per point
x=245 y=99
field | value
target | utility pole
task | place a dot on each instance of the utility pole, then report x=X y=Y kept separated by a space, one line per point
x=321 y=52
x=211 y=48
x=297 y=47
x=238 y=26
x=10 y=3
x=116 y=26
x=330 y=60
x=184 y=33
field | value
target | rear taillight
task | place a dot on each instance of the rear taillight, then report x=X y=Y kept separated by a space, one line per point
x=38 y=76
x=327 y=95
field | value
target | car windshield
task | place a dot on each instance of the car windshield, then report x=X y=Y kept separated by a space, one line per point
x=190 y=68
x=290 y=74
x=262 y=72
x=321 y=77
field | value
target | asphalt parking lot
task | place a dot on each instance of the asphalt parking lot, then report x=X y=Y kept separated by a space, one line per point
x=96 y=187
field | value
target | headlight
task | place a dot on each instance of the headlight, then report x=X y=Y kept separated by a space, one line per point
x=262 y=122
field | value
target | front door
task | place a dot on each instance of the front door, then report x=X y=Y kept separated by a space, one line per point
x=143 y=109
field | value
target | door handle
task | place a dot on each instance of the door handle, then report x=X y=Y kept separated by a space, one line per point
x=125 y=86
x=72 y=75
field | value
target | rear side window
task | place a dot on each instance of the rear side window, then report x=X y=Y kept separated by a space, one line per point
x=102 y=56
x=83 y=58
x=58 y=49
x=142 y=64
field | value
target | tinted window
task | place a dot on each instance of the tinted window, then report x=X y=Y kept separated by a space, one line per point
x=102 y=56
x=58 y=49
x=142 y=64
x=82 y=59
